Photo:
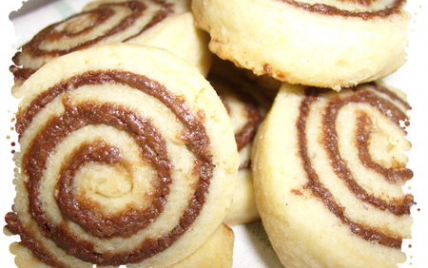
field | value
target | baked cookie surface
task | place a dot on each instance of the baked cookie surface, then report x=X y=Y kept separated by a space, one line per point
x=329 y=170
x=217 y=252
x=127 y=157
x=327 y=43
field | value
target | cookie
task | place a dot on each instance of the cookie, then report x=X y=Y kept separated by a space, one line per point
x=164 y=24
x=127 y=157
x=331 y=43
x=246 y=107
x=329 y=169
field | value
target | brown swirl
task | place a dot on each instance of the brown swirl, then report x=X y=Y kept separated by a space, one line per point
x=329 y=10
x=330 y=141
x=86 y=214
x=69 y=29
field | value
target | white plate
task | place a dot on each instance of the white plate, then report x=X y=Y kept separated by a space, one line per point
x=251 y=246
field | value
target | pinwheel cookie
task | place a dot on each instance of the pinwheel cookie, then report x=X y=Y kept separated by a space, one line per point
x=246 y=107
x=329 y=170
x=127 y=157
x=330 y=43
x=165 y=24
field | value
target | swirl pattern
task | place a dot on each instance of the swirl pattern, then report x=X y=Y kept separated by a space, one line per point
x=397 y=206
x=343 y=161
x=118 y=167
x=113 y=22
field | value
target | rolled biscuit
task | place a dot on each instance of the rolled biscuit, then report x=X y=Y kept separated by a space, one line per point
x=329 y=169
x=328 y=43
x=127 y=157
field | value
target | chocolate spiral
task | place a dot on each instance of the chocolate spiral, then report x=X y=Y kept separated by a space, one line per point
x=393 y=109
x=78 y=209
x=107 y=23
x=365 y=10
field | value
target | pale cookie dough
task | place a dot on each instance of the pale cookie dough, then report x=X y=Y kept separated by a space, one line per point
x=217 y=252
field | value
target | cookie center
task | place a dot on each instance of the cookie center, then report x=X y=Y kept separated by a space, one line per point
x=79 y=23
x=108 y=181
x=387 y=147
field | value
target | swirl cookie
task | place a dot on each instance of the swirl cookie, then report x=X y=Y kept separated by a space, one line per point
x=246 y=108
x=168 y=25
x=127 y=157
x=329 y=170
x=327 y=43
x=246 y=116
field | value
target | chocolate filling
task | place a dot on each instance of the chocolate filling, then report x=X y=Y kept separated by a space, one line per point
x=397 y=207
x=153 y=150
x=21 y=74
x=328 y=10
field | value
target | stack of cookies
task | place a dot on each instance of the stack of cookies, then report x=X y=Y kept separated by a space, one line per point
x=146 y=127
x=328 y=161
